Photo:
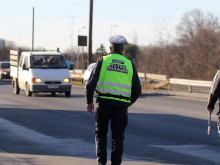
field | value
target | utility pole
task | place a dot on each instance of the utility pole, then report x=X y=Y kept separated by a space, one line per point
x=33 y=31
x=90 y=34
x=71 y=43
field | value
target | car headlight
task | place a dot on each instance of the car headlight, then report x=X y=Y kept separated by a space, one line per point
x=5 y=73
x=36 y=80
x=67 y=80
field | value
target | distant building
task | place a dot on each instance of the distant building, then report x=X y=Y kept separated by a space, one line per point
x=2 y=43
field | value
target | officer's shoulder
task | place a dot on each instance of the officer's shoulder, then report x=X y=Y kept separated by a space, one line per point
x=106 y=55
x=100 y=58
x=217 y=76
x=128 y=59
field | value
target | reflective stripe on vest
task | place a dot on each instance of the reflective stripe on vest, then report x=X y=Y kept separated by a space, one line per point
x=113 y=91
x=115 y=78
x=114 y=84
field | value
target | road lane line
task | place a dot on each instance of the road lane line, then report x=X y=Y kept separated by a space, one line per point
x=202 y=151
x=66 y=113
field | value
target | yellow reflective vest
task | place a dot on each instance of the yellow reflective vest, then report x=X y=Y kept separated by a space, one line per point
x=115 y=79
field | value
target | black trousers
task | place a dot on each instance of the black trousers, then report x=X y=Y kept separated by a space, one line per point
x=119 y=120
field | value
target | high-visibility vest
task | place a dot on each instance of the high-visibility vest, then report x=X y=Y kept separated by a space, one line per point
x=115 y=79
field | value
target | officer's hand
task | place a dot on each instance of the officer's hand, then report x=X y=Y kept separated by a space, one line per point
x=209 y=110
x=90 y=108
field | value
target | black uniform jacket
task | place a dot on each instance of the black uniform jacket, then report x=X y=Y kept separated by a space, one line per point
x=94 y=77
x=215 y=91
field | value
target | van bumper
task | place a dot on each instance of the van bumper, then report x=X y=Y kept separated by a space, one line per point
x=49 y=88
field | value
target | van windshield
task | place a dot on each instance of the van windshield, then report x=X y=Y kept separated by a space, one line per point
x=47 y=61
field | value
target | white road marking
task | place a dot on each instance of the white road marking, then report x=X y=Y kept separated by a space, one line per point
x=65 y=146
x=70 y=146
x=21 y=159
x=66 y=113
x=6 y=102
x=8 y=158
x=202 y=151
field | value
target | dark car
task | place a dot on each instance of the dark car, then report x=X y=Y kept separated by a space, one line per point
x=4 y=70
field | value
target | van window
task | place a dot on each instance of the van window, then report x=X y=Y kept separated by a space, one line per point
x=21 y=61
x=47 y=61
x=26 y=61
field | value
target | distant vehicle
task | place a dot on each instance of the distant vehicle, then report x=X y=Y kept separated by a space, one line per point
x=39 y=71
x=88 y=73
x=4 y=70
x=69 y=65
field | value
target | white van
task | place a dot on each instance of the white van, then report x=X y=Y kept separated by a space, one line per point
x=39 y=71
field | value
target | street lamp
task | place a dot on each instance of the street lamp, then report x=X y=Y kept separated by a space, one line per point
x=72 y=17
x=19 y=41
x=112 y=28
x=78 y=48
x=33 y=30
x=81 y=29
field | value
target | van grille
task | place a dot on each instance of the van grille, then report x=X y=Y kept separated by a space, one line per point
x=52 y=82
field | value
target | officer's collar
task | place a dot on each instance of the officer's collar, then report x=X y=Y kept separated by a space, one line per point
x=116 y=52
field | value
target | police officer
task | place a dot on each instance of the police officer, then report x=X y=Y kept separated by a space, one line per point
x=116 y=81
x=214 y=96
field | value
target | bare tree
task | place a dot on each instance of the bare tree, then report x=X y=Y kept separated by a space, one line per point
x=5 y=51
x=195 y=54
x=199 y=34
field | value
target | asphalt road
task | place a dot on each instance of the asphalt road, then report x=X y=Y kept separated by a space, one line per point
x=45 y=129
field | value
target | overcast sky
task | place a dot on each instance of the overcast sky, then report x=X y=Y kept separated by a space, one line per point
x=137 y=20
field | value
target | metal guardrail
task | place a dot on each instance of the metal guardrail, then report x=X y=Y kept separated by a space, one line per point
x=76 y=74
x=156 y=77
x=152 y=76
x=171 y=81
x=80 y=71
x=187 y=82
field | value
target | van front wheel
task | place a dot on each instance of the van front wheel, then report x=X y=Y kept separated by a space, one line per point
x=27 y=90
x=16 y=87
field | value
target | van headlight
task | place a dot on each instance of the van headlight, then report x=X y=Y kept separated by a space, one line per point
x=67 y=80
x=36 y=80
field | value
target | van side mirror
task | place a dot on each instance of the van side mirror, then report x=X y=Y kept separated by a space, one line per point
x=71 y=67
x=24 y=67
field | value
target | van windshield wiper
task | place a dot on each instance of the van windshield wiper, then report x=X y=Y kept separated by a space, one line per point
x=46 y=67
x=38 y=67
x=58 y=67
